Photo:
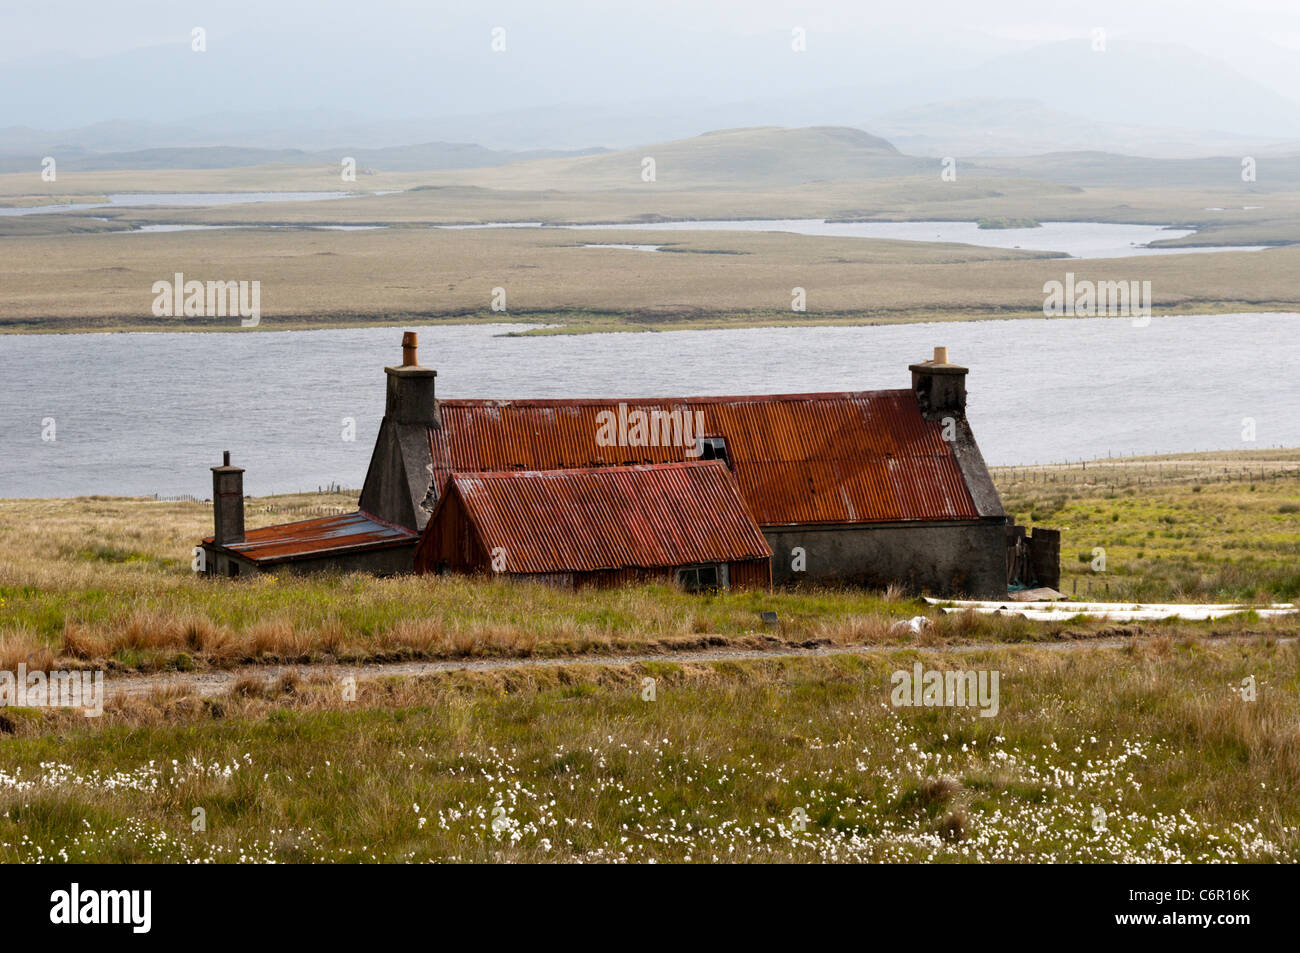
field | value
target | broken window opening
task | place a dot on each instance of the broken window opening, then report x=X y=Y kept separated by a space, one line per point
x=715 y=448
x=708 y=578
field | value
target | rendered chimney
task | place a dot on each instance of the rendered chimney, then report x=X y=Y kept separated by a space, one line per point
x=940 y=387
x=411 y=397
x=227 y=502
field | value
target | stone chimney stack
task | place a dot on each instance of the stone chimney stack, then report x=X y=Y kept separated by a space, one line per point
x=411 y=398
x=940 y=387
x=227 y=503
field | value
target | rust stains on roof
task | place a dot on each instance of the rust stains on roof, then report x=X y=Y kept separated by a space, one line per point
x=856 y=457
x=325 y=536
x=584 y=520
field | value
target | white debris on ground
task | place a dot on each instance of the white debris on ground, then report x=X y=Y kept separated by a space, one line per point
x=1053 y=611
x=915 y=624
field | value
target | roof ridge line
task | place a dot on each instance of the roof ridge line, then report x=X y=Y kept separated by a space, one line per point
x=598 y=469
x=704 y=399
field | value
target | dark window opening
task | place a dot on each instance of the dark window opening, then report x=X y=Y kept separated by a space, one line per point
x=233 y=569
x=714 y=448
x=701 y=579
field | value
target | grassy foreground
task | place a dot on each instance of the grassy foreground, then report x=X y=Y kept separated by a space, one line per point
x=1209 y=527
x=1182 y=745
x=107 y=582
x=1141 y=755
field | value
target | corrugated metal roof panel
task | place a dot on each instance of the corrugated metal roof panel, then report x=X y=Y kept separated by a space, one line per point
x=865 y=456
x=351 y=532
x=583 y=520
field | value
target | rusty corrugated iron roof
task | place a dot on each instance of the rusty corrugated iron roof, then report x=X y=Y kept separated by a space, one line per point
x=584 y=520
x=327 y=535
x=856 y=457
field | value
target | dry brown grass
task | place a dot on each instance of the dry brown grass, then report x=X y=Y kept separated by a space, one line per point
x=60 y=281
x=22 y=646
x=80 y=641
x=148 y=630
x=1264 y=730
x=213 y=641
x=101 y=584
x=857 y=630
x=333 y=278
x=276 y=639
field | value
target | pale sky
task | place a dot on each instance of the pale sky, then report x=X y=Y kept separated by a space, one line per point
x=94 y=27
x=397 y=58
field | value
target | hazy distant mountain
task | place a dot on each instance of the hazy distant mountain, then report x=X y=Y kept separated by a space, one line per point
x=1137 y=83
x=750 y=157
x=1276 y=172
x=565 y=84
x=755 y=157
x=439 y=63
x=424 y=156
x=1196 y=104
x=307 y=130
x=1021 y=127
x=774 y=157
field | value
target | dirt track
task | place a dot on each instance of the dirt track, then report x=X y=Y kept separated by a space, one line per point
x=209 y=684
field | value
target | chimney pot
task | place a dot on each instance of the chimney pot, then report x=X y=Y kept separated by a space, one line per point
x=411 y=398
x=227 y=503
x=940 y=387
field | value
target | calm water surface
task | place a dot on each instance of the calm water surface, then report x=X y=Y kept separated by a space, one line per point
x=149 y=413
x=1077 y=239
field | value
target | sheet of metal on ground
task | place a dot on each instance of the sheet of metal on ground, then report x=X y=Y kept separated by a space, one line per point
x=1062 y=610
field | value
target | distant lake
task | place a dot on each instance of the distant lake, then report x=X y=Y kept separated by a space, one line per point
x=1078 y=239
x=628 y=245
x=143 y=229
x=149 y=413
x=133 y=199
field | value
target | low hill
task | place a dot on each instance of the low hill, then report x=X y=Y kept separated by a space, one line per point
x=763 y=156
x=422 y=156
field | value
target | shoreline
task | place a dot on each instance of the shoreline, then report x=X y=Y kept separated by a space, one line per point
x=543 y=323
x=1284 y=460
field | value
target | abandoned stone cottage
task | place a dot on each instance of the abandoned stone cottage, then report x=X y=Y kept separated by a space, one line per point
x=861 y=488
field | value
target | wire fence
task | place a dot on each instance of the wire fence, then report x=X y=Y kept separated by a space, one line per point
x=1124 y=474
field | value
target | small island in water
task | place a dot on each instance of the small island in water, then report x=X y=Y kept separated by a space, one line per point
x=1007 y=223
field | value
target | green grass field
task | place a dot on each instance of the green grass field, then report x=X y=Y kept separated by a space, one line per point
x=1179 y=745
x=108 y=581
x=1114 y=756
x=1197 y=527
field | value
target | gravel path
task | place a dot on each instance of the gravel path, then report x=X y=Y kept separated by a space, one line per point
x=208 y=684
